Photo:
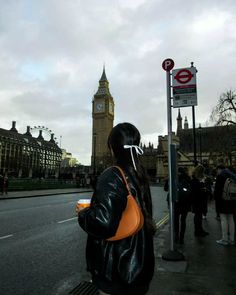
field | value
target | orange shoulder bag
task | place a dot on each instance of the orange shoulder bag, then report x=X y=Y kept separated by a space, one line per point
x=132 y=218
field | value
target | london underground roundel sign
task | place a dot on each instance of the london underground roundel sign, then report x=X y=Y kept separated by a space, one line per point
x=168 y=64
x=184 y=87
x=183 y=76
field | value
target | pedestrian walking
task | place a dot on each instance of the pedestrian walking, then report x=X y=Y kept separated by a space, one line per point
x=183 y=204
x=209 y=196
x=199 y=197
x=124 y=266
x=226 y=208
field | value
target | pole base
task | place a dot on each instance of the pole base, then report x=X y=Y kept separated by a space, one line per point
x=173 y=255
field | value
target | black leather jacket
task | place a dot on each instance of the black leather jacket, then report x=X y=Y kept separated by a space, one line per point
x=128 y=261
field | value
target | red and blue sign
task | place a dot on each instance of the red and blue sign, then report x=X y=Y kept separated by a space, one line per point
x=184 y=87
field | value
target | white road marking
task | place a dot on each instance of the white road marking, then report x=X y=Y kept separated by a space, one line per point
x=5 y=237
x=62 y=221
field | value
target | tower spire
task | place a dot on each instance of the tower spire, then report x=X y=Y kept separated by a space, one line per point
x=179 y=122
x=185 y=123
x=103 y=77
x=103 y=88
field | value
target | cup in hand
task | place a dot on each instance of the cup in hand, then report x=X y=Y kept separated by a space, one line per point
x=82 y=203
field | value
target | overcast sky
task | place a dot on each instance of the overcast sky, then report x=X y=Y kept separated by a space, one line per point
x=52 y=54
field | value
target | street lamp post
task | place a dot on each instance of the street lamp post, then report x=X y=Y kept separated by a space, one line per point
x=194 y=138
x=94 y=153
x=200 y=142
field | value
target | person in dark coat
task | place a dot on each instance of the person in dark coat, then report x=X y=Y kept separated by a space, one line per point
x=125 y=266
x=226 y=208
x=183 y=204
x=199 y=196
x=208 y=186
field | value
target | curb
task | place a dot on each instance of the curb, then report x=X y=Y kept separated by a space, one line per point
x=44 y=195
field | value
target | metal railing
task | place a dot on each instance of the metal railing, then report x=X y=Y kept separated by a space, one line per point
x=18 y=184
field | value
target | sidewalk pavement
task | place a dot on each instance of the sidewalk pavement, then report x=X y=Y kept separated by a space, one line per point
x=38 y=193
x=208 y=269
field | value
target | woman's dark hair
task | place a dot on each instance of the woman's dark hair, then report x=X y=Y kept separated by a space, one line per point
x=121 y=135
x=127 y=134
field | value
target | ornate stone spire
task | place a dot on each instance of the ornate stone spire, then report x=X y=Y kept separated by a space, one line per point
x=179 y=122
x=185 y=123
x=103 y=77
x=103 y=88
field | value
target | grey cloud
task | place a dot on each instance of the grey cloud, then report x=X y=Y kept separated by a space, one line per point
x=72 y=40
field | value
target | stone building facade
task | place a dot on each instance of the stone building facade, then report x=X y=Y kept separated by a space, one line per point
x=22 y=155
x=214 y=145
x=149 y=159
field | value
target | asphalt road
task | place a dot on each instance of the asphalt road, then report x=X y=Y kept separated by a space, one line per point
x=41 y=245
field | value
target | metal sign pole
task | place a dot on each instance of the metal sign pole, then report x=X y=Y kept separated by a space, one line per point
x=172 y=254
x=169 y=125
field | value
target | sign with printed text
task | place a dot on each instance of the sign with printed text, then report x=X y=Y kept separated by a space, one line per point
x=184 y=87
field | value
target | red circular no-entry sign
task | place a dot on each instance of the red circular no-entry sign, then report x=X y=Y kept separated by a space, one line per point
x=183 y=76
x=168 y=64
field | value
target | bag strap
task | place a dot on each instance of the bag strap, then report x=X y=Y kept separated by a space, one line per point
x=124 y=178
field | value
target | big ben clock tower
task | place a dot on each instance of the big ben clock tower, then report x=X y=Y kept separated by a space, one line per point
x=103 y=117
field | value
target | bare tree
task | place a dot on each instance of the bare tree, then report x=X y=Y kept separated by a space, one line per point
x=224 y=113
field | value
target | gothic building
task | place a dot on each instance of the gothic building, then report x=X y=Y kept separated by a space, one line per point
x=149 y=159
x=103 y=118
x=214 y=145
x=22 y=155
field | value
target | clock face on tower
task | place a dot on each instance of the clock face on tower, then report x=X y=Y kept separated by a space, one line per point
x=111 y=108
x=99 y=107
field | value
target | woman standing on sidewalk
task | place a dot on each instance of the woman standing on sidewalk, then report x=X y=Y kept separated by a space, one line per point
x=125 y=266
x=199 y=195
x=226 y=208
